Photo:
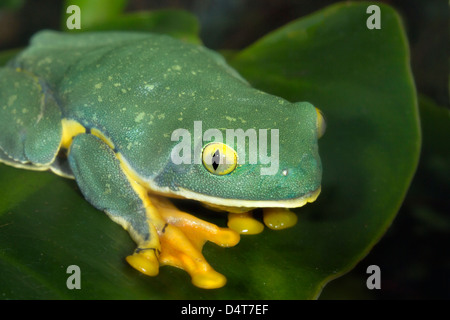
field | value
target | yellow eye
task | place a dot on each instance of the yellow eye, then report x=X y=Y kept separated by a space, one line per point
x=218 y=158
x=321 y=124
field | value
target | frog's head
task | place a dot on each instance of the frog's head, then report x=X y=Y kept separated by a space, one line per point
x=251 y=163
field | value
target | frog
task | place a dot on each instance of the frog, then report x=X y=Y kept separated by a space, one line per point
x=102 y=108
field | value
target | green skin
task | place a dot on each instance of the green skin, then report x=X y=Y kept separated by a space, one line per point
x=137 y=88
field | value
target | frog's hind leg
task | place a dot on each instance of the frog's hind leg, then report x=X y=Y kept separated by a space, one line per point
x=104 y=184
x=30 y=120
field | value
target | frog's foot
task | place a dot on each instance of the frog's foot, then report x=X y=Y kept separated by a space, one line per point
x=145 y=257
x=279 y=218
x=274 y=218
x=145 y=260
x=182 y=239
x=244 y=223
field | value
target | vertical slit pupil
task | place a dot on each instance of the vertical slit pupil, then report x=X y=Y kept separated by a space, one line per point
x=216 y=160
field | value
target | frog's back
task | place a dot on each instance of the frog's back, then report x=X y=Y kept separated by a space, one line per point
x=51 y=53
x=135 y=88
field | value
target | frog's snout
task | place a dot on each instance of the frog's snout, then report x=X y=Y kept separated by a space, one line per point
x=321 y=124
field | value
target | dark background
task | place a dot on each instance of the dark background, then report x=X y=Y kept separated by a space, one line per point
x=414 y=254
x=234 y=24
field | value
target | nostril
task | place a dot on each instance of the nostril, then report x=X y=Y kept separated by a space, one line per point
x=321 y=124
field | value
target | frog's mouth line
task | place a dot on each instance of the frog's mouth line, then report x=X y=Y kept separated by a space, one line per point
x=241 y=205
x=231 y=205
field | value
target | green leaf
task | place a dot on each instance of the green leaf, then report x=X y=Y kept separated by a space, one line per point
x=176 y=23
x=95 y=12
x=105 y=15
x=359 y=78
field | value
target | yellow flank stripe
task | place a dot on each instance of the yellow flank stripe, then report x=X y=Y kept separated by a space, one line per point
x=132 y=178
x=106 y=140
x=153 y=216
x=71 y=128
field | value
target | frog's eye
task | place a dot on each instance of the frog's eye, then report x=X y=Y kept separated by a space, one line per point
x=218 y=158
x=321 y=124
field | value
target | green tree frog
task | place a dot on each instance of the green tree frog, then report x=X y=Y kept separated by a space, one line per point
x=107 y=110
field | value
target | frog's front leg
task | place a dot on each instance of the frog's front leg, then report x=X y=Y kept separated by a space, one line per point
x=164 y=234
x=104 y=184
